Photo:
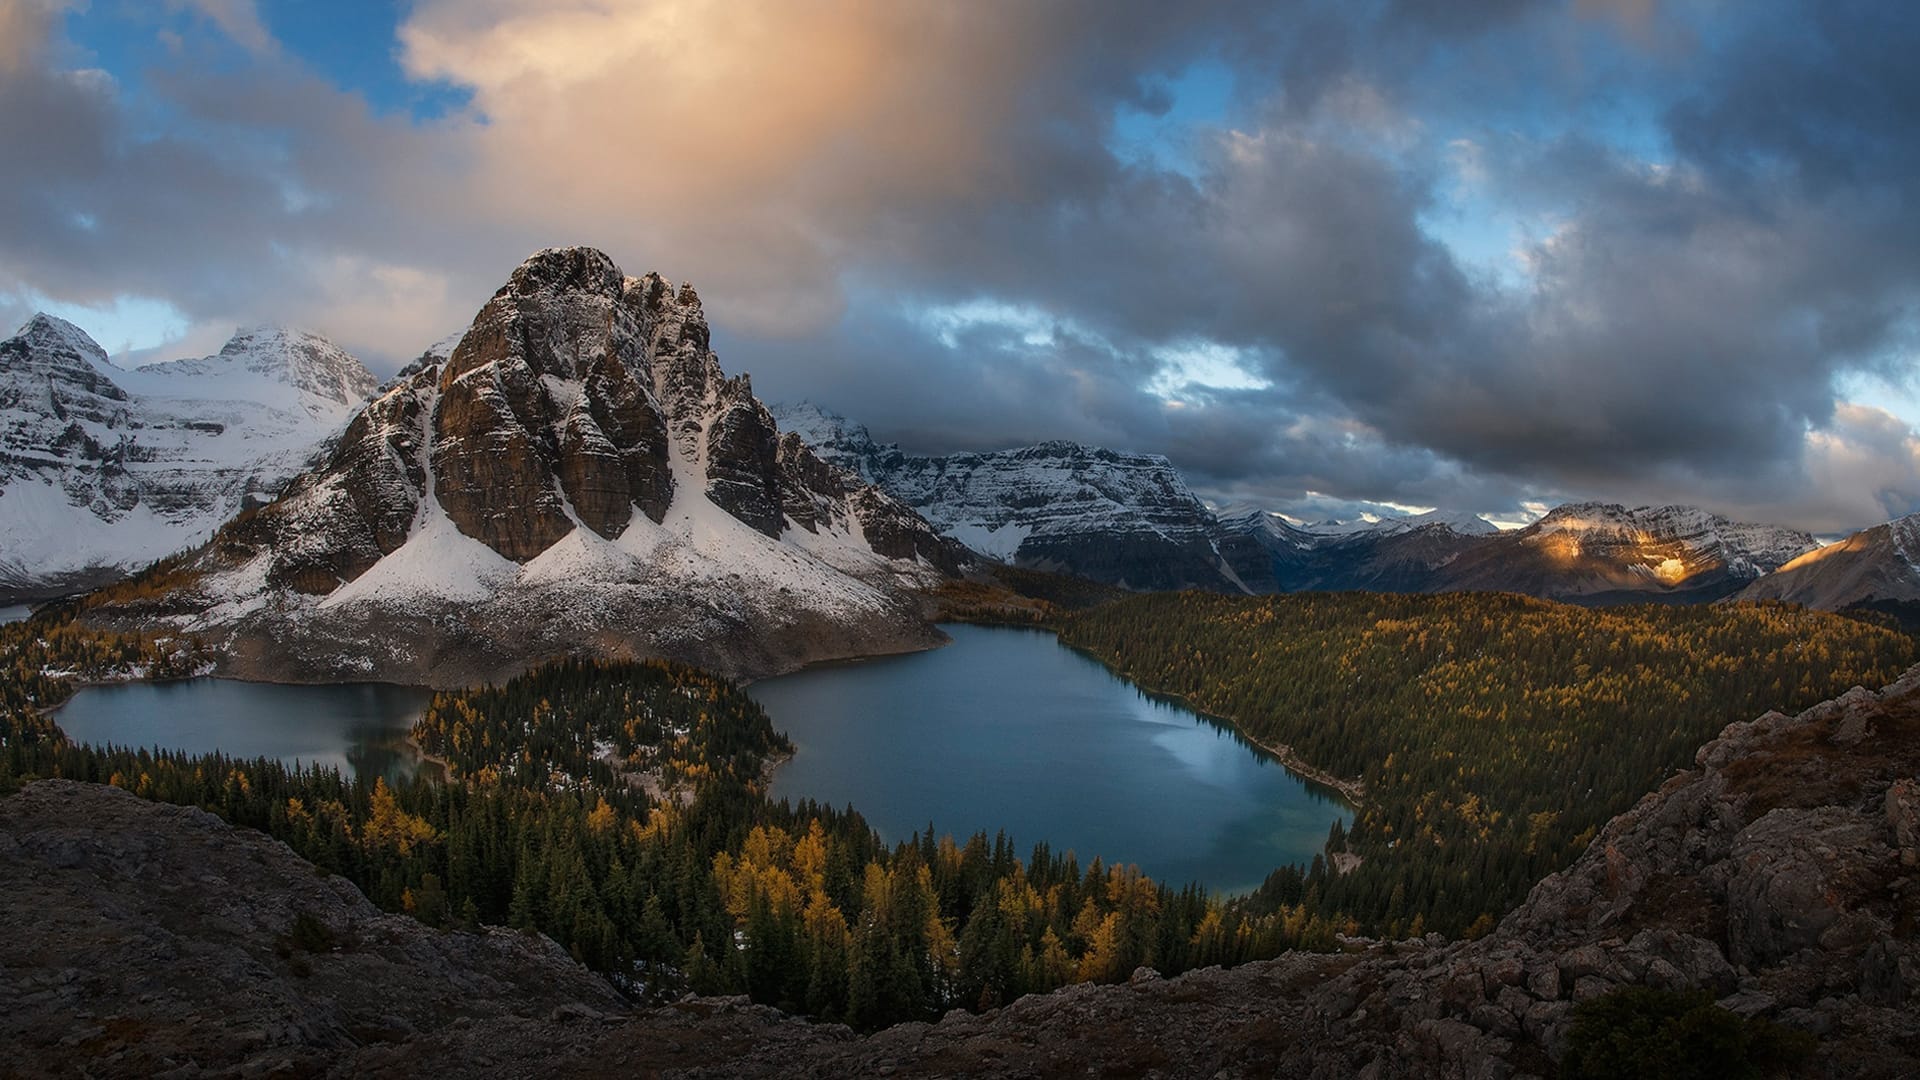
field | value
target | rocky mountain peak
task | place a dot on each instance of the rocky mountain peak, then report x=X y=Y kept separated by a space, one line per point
x=579 y=466
x=53 y=369
x=304 y=360
x=105 y=469
x=567 y=269
x=57 y=339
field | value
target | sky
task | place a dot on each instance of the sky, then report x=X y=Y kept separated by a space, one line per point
x=1329 y=257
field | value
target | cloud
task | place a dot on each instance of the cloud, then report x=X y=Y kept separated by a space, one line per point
x=916 y=212
x=239 y=20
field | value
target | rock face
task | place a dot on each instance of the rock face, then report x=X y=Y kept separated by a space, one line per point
x=1120 y=518
x=1877 y=566
x=163 y=944
x=103 y=470
x=1598 y=553
x=1781 y=875
x=576 y=474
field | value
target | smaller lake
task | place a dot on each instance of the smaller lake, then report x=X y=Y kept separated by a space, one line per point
x=358 y=728
x=14 y=613
x=1009 y=729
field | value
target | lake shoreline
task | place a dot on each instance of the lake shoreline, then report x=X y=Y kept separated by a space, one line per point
x=1353 y=791
x=1012 y=733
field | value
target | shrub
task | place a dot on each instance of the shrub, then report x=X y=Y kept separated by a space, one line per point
x=1636 y=1032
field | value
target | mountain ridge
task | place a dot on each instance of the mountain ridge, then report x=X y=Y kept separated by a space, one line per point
x=1111 y=516
x=104 y=469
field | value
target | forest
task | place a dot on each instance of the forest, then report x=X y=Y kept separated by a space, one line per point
x=1493 y=734
x=621 y=808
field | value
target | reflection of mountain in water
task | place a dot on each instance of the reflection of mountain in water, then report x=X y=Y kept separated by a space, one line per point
x=358 y=728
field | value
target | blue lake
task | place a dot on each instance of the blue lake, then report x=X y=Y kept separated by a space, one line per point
x=358 y=728
x=1008 y=729
x=1003 y=729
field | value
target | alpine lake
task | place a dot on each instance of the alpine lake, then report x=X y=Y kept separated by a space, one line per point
x=1002 y=730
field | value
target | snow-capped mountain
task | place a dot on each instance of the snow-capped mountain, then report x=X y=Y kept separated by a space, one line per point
x=1874 y=567
x=1459 y=521
x=577 y=474
x=104 y=469
x=1601 y=552
x=1394 y=554
x=1122 y=518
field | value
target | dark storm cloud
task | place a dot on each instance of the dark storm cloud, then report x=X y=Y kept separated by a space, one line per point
x=917 y=215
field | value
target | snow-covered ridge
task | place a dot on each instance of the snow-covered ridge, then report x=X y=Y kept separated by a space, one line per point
x=1116 y=516
x=105 y=469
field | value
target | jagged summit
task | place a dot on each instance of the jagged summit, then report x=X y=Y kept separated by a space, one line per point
x=577 y=473
x=1596 y=552
x=52 y=336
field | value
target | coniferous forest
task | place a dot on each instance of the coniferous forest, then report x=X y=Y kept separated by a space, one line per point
x=1493 y=734
x=620 y=809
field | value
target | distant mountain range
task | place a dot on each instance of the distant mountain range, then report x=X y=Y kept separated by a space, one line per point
x=1122 y=518
x=576 y=475
x=1130 y=519
x=104 y=469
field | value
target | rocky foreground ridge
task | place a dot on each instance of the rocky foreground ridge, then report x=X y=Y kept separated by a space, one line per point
x=1781 y=875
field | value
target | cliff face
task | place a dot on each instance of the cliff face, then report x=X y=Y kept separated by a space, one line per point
x=1781 y=875
x=576 y=474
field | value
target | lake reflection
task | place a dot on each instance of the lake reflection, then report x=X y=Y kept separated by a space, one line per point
x=358 y=728
x=1008 y=729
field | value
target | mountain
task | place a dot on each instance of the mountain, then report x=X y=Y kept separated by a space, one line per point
x=577 y=475
x=1459 y=521
x=1599 y=553
x=1590 y=553
x=103 y=469
x=1874 y=567
x=1397 y=554
x=1774 y=878
x=1129 y=519
x=1120 y=518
